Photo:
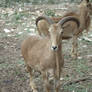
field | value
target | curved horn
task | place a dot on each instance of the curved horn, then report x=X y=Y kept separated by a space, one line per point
x=69 y=18
x=48 y=19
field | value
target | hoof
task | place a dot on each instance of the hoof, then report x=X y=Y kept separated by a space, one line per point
x=34 y=91
x=34 y=88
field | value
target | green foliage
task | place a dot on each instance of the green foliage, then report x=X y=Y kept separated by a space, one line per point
x=20 y=62
x=51 y=1
x=49 y=12
x=72 y=0
x=18 y=15
x=3 y=65
x=7 y=3
x=35 y=1
x=75 y=88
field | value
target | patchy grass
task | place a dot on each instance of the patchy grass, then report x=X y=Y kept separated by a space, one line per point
x=49 y=12
x=14 y=78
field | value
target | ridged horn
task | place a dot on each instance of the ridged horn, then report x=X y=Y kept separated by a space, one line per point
x=67 y=19
x=48 y=19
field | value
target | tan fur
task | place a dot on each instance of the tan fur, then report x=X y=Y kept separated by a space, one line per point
x=42 y=27
x=69 y=31
x=83 y=16
x=42 y=54
x=38 y=55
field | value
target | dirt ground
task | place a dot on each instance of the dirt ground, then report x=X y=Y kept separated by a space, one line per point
x=14 y=28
